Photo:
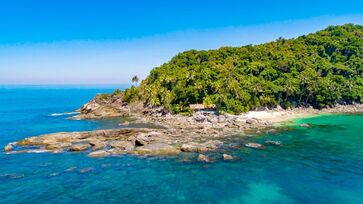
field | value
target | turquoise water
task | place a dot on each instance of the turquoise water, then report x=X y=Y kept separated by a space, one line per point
x=321 y=164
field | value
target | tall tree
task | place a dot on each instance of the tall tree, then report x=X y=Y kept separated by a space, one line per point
x=135 y=79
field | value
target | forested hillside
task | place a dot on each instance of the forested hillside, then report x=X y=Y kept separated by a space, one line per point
x=320 y=69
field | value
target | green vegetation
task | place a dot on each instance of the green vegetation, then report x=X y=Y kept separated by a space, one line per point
x=320 y=69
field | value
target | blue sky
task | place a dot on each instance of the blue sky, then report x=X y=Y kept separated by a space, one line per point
x=106 y=42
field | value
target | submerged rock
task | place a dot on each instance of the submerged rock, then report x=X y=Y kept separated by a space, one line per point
x=85 y=170
x=12 y=176
x=126 y=123
x=271 y=142
x=203 y=158
x=305 y=125
x=254 y=145
x=271 y=131
x=227 y=157
x=70 y=169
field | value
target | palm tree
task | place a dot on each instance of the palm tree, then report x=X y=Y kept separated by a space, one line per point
x=135 y=79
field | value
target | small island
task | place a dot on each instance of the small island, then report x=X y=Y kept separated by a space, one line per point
x=200 y=98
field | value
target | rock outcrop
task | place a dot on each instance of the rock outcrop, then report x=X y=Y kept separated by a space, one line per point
x=201 y=132
x=104 y=106
x=138 y=141
x=8 y=147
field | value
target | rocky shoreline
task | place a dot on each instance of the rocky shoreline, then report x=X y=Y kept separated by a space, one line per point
x=201 y=132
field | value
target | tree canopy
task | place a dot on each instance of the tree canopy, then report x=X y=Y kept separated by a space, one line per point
x=319 y=69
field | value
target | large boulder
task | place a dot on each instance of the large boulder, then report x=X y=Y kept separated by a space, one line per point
x=157 y=149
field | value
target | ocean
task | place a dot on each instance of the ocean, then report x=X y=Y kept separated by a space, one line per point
x=320 y=164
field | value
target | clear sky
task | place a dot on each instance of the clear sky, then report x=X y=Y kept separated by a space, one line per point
x=109 y=41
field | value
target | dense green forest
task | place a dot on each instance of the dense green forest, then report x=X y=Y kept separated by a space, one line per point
x=320 y=69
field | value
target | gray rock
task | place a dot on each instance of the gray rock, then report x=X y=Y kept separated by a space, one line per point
x=221 y=119
x=199 y=117
x=254 y=145
x=212 y=119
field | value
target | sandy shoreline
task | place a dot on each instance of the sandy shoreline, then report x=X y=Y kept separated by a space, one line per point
x=277 y=117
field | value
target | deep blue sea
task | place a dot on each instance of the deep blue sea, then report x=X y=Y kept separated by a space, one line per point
x=321 y=164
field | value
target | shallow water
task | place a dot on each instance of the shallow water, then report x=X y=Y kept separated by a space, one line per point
x=321 y=164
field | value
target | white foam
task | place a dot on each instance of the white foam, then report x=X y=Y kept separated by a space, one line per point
x=60 y=114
